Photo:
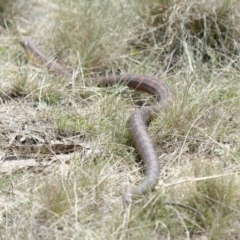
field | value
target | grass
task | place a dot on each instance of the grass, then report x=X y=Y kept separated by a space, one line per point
x=191 y=45
x=213 y=198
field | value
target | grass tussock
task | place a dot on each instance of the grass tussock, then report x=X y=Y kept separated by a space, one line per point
x=196 y=31
x=92 y=43
x=191 y=45
x=54 y=200
x=214 y=197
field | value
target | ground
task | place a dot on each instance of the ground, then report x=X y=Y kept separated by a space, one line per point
x=193 y=47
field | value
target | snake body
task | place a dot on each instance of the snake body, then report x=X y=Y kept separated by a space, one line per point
x=137 y=123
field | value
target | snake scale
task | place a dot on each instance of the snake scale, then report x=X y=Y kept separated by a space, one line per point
x=137 y=123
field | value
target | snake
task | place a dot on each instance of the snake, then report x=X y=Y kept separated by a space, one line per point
x=138 y=120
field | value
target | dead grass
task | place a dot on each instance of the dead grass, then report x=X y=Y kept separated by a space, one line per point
x=175 y=33
x=193 y=46
x=215 y=198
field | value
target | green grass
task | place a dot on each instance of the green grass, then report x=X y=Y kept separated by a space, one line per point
x=215 y=198
x=191 y=45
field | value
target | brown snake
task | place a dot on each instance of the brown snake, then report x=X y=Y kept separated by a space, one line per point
x=138 y=120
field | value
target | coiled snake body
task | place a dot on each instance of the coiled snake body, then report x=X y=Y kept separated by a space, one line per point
x=137 y=121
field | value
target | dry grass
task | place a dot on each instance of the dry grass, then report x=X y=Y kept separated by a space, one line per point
x=193 y=46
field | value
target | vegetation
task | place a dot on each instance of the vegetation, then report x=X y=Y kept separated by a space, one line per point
x=192 y=45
